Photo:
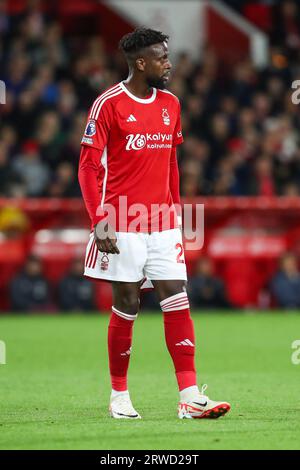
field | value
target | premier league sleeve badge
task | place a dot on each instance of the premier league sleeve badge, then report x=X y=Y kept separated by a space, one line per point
x=90 y=129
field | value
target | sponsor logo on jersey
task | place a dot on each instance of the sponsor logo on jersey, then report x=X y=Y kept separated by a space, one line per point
x=166 y=117
x=152 y=141
x=135 y=142
x=90 y=129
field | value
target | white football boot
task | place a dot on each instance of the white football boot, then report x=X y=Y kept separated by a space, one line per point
x=121 y=407
x=198 y=406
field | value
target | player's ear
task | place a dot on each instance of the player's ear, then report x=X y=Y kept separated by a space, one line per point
x=140 y=64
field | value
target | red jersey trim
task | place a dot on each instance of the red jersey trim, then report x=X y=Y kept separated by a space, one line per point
x=96 y=108
x=105 y=93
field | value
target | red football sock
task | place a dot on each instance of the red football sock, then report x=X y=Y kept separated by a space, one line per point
x=180 y=338
x=119 y=347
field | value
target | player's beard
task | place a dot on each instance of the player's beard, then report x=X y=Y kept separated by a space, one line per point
x=156 y=82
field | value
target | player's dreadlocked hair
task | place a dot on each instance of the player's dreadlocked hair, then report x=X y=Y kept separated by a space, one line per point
x=132 y=43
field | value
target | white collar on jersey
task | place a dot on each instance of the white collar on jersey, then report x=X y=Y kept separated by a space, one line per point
x=139 y=100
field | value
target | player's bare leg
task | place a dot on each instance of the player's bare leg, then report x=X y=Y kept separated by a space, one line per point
x=124 y=312
x=180 y=340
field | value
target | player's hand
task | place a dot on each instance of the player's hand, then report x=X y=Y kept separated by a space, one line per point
x=105 y=238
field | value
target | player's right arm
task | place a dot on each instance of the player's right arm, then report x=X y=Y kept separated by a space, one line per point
x=93 y=144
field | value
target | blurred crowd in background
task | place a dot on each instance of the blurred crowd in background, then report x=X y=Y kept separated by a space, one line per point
x=31 y=291
x=240 y=125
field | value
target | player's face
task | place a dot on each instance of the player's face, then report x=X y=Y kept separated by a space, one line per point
x=157 y=65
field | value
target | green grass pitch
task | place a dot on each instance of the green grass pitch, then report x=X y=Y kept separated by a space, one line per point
x=55 y=384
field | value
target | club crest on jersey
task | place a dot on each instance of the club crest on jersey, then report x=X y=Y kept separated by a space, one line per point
x=104 y=263
x=166 y=117
x=135 y=141
x=90 y=129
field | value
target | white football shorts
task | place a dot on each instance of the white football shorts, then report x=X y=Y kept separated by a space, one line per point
x=143 y=256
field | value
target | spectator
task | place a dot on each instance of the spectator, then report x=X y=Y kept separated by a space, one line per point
x=286 y=29
x=31 y=169
x=189 y=186
x=49 y=137
x=7 y=176
x=224 y=181
x=262 y=183
x=192 y=182
x=291 y=190
x=206 y=290
x=239 y=123
x=4 y=18
x=65 y=183
x=29 y=291
x=75 y=291
x=17 y=77
x=27 y=112
x=219 y=135
x=285 y=286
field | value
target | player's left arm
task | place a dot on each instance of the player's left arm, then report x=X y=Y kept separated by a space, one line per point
x=174 y=181
x=174 y=170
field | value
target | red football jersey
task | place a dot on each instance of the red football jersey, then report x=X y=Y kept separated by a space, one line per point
x=134 y=138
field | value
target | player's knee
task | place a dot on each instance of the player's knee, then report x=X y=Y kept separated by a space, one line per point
x=169 y=288
x=128 y=304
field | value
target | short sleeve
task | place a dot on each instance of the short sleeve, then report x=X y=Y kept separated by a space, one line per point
x=98 y=125
x=177 y=134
